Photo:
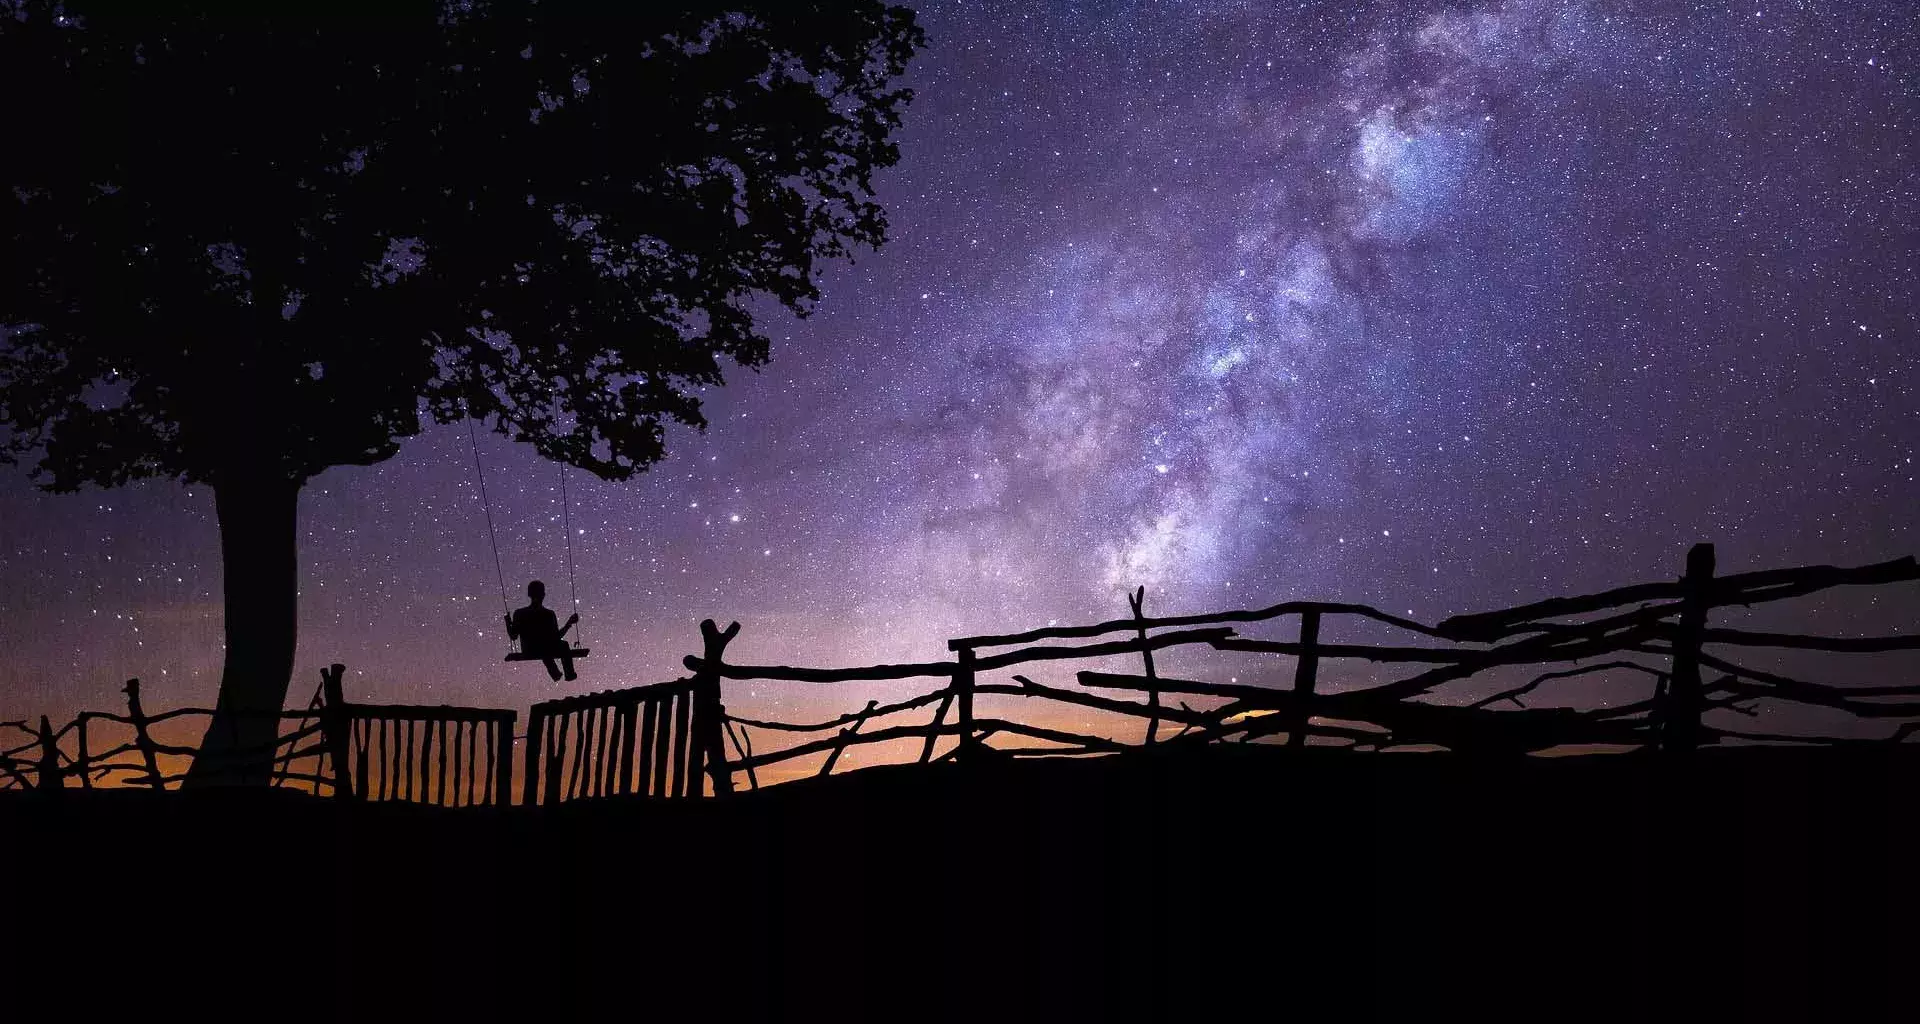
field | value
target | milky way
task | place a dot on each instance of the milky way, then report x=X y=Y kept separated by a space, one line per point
x=1434 y=308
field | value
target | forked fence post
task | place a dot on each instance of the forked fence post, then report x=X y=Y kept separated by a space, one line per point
x=141 y=739
x=333 y=729
x=1135 y=600
x=1681 y=717
x=708 y=712
x=1305 y=674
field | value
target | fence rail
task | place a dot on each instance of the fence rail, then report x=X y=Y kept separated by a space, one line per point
x=671 y=740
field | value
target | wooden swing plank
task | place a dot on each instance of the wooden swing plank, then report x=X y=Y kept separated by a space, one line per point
x=577 y=652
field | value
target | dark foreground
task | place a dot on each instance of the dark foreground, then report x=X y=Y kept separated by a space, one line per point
x=1241 y=884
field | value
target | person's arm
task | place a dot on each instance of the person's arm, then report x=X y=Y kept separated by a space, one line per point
x=512 y=633
x=571 y=619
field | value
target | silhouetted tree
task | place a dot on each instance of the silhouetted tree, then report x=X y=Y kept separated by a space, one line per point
x=244 y=244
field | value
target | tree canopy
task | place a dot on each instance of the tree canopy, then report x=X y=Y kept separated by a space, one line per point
x=247 y=243
x=277 y=239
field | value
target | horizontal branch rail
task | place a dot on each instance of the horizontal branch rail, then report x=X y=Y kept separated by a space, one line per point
x=1129 y=625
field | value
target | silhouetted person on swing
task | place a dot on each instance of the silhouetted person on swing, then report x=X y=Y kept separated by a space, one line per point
x=540 y=633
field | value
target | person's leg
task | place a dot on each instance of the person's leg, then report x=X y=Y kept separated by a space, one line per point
x=567 y=661
x=552 y=669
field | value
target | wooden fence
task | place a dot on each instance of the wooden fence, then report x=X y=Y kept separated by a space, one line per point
x=1657 y=631
x=373 y=752
x=670 y=739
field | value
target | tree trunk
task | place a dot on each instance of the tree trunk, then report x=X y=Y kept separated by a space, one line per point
x=258 y=551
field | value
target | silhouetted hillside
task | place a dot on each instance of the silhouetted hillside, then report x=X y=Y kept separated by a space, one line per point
x=1217 y=882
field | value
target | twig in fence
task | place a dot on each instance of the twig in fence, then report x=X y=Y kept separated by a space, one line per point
x=745 y=750
x=847 y=734
x=1842 y=697
x=934 y=727
x=1516 y=693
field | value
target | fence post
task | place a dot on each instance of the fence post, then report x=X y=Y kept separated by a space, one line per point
x=963 y=690
x=49 y=779
x=140 y=737
x=707 y=709
x=1682 y=717
x=1305 y=673
x=80 y=745
x=1135 y=600
x=333 y=729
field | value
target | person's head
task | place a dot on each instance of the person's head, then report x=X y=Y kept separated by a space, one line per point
x=536 y=591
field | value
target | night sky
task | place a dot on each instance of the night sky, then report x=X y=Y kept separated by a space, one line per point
x=1435 y=308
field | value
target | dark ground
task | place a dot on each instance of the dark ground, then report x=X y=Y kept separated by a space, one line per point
x=1236 y=884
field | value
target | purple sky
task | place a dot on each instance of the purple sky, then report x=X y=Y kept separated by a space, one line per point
x=1436 y=308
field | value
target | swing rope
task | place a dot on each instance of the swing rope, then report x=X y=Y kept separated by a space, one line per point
x=566 y=518
x=487 y=507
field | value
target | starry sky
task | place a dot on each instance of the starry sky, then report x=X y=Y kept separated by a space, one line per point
x=1434 y=307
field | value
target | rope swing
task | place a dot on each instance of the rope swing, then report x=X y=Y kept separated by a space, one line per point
x=514 y=652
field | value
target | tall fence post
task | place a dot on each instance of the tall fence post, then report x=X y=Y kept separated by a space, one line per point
x=708 y=712
x=1305 y=674
x=963 y=691
x=1681 y=719
x=334 y=723
x=1135 y=601
x=141 y=738
x=50 y=778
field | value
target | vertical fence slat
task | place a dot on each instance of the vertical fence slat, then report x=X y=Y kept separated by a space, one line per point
x=579 y=751
x=536 y=730
x=623 y=785
x=441 y=728
x=556 y=755
x=426 y=762
x=503 y=735
x=363 y=733
x=662 y=743
x=465 y=769
x=616 y=728
x=495 y=755
x=648 y=713
x=604 y=760
x=681 y=712
x=386 y=772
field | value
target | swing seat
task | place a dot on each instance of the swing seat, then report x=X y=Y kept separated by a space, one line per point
x=576 y=653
